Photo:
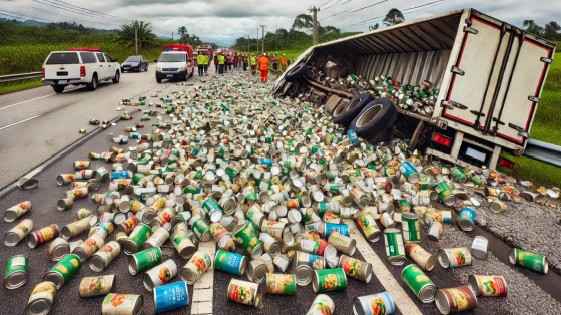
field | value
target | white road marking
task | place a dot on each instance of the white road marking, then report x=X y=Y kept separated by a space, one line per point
x=21 y=121
x=23 y=102
x=202 y=289
x=400 y=297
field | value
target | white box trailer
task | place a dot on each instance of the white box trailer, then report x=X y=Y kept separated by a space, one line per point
x=490 y=75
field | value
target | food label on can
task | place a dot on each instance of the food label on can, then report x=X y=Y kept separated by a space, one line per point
x=458 y=256
x=94 y=286
x=323 y=304
x=281 y=283
x=119 y=303
x=394 y=244
x=228 y=262
x=415 y=278
x=242 y=292
x=170 y=296
x=331 y=280
x=16 y=264
x=148 y=258
x=44 y=290
x=67 y=266
x=491 y=285
x=529 y=260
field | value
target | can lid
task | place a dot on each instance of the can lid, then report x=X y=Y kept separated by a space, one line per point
x=443 y=259
x=303 y=275
x=15 y=280
x=39 y=307
x=11 y=239
x=442 y=302
x=55 y=278
x=32 y=241
x=60 y=251
x=188 y=273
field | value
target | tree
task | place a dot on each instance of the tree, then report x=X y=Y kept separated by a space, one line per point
x=303 y=21
x=551 y=30
x=393 y=17
x=144 y=34
x=531 y=27
x=183 y=34
x=373 y=27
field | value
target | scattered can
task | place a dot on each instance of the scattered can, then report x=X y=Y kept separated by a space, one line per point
x=42 y=236
x=144 y=260
x=322 y=305
x=157 y=238
x=184 y=245
x=122 y=304
x=61 y=272
x=89 y=247
x=488 y=285
x=528 y=260
x=408 y=171
x=244 y=292
x=195 y=267
x=104 y=256
x=96 y=286
x=58 y=249
x=454 y=257
x=466 y=220
x=256 y=271
x=479 y=247
x=410 y=227
x=374 y=304
x=342 y=243
x=423 y=288
x=245 y=236
x=170 y=296
x=75 y=228
x=395 y=250
x=159 y=275
x=136 y=239
x=15 y=274
x=41 y=299
x=453 y=300
x=284 y=284
x=423 y=258
x=356 y=269
x=368 y=225
x=445 y=194
x=435 y=231
x=327 y=280
x=17 y=211
x=18 y=232
x=230 y=262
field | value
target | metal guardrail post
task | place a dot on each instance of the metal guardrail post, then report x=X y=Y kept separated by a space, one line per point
x=543 y=152
x=19 y=76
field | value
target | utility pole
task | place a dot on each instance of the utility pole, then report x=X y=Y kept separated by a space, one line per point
x=315 y=10
x=172 y=37
x=262 y=38
x=247 y=44
x=136 y=39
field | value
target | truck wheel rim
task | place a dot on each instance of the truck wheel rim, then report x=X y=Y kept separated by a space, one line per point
x=368 y=115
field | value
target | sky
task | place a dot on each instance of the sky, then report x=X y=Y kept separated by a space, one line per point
x=222 y=21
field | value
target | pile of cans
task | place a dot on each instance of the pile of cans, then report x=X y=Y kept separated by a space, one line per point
x=272 y=181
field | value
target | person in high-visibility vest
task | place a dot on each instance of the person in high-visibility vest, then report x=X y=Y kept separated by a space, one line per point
x=206 y=62
x=200 y=63
x=221 y=63
x=253 y=63
x=283 y=62
x=274 y=61
x=264 y=68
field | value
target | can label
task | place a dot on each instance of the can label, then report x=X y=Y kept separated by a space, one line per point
x=201 y=230
x=17 y=211
x=458 y=257
x=458 y=175
x=147 y=258
x=460 y=299
x=94 y=286
x=531 y=261
x=467 y=214
x=310 y=246
x=407 y=170
x=369 y=227
x=314 y=261
x=375 y=304
x=43 y=291
x=280 y=283
x=170 y=296
x=247 y=238
x=128 y=225
x=490 y=285
x=243 y=292
x=411 y=231
x=327 y=280
x=164 y=216
x=45 y=234
x=341 y=228
x=15 y=264
x=115 y=303
x=416 y=280
x=67 y=266
x=229 y=262
x=109 y=252
x=355 y=268
x=140 y=235
x=394 y=243
x=217 y=230
x=211 y=205
x=323 y=305
x=197 y=265
x=21 y=230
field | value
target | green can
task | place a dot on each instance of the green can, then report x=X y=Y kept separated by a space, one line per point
x=144 y=260
x=16 y=272
x=458 y=175
x=445 y=194
x=200 y=228
x=137 y=238
x=528 y=260
x=211 y=205
x=61 y=272
x=410 y=227
x=326 y=280
x=394 y=246
x=245 y=236
x=277 y=283
x=419 y=283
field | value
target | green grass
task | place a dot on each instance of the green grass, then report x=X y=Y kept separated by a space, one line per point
x=19 y=85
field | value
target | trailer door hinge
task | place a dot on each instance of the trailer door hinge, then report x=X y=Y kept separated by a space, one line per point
x=472 y=30
x=451 y=104
x=496 y=119
x=534 y=99
x=458 y=70
x=521 y=131
x=476 y=113
x=546 y=60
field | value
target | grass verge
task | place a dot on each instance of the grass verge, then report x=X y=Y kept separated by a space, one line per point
x=19 y=85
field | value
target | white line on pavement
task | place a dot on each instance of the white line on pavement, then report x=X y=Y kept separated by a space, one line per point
x=23 y=102
x=400 y=297
x=19 y=122
x=202 y=289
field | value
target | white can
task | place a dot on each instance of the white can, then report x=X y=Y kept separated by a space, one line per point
x=159 y=275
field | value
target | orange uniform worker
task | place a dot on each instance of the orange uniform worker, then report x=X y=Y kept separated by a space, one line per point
x=283 y=62
x=263 y=67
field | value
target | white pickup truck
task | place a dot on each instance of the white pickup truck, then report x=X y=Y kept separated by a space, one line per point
x=79 y=66
x=462 y=86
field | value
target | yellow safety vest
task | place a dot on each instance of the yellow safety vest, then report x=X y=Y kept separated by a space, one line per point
x=200 y=59
x=221 y=59
x=252 y=60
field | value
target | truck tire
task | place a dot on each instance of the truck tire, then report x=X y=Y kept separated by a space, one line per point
x=93 y=84
x=58 y=88
x=374 y=119
x=345 y=115
x=158 y=80
x=297 y=72
x=117 y=77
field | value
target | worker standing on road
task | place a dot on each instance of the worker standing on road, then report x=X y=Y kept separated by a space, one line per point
x=201 y=63
x=264 y=68
x=244 y=62
x=206 y=62
x=283 y=62
x=275 y=62
x=253 y=63
x=216 y=63
x=221 y=63
x=229 y=61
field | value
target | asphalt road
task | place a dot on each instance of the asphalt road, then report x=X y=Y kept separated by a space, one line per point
x=70 y=105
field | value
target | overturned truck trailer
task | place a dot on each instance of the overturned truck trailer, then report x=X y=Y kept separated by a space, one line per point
x=462 y=85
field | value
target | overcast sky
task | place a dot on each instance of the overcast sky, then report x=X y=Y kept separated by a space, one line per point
x=222 y=21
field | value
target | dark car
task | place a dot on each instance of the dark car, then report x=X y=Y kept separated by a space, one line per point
x=134 y=63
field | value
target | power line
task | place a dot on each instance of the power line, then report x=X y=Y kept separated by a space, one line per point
x=329 y=7
x=359 y=9
x=78 y=11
